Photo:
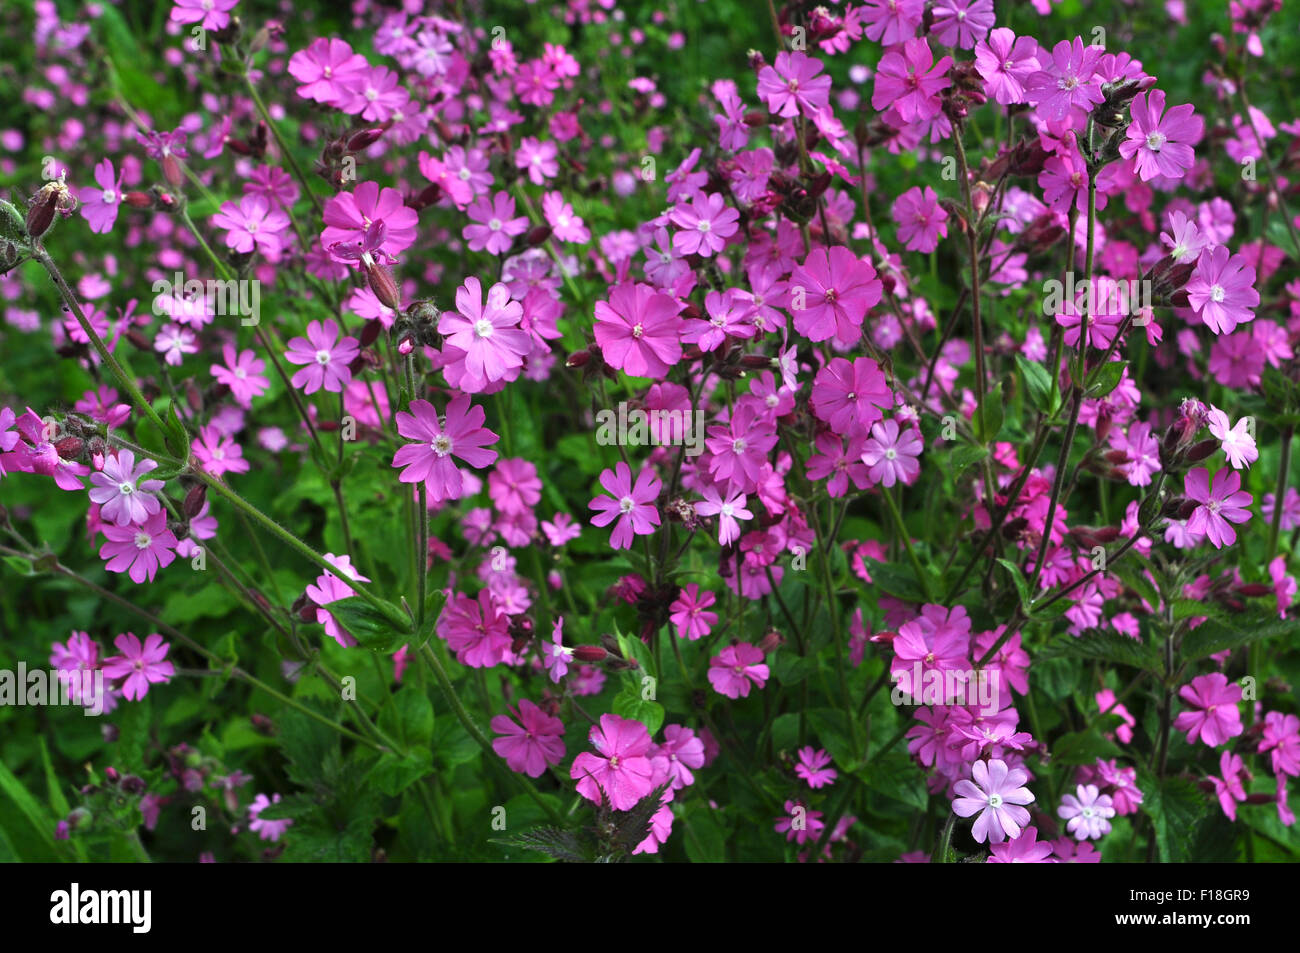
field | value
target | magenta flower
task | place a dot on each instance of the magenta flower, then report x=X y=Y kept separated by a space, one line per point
x=566 y=225
x=890 y=22
x=375 y=94
x=1161 y=146
x=1066 y=81
x=997 y=793
x=217 y=453
x=639 y=331
x=690 y=612
x=325 y=356
x=1025 y=849
x=1222 y=290
x=891 y=453
x=1229 y=789
x=538 y=158
x=684 y=752
x=268 y=829
x=733 y=670
x=475 y=630
x=1281 y=740
x=99 y=205
x=349 y=215
x=1222 y=502
x=1237 y=443
x=253 y=225
x=1213 y=716
x=495 y=224
x=814 y=767
x=740 y=448
x=728 y=511
x=488 y=335
x=706 y=223
x=621 y=773
x=961 y=23
x=326 y=69
x=792 y=86
x=530 y=743
x=331 y=588
x=910 y=81
x=242 y=374
x=209 y=14
x=122 y=500
x=921 y=221
x=139 y=550
x=849 y=397
x=1006 y=62
x=1087 y=813
x=462 y=435
x=830 y=294
x=633 y=506
x=140 y=666
x=556 y=656
x=799 y=824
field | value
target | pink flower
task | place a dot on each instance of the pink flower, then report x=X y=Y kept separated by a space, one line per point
x=1025 y=849
x=814 y=767
x=253 y=225
x=726 y=510
x=1067 y=81
x=733 y=670
x=375 y=94
x=639 y=331
x=1214 y=717
x=910 y=81
x=706 y=224
x=689 y=612
x=799 y=824
x=266 y=829
x=325 y=356
x=556 y=657
x=209 y=14
x=462 y=435
x=488 y=335
x=139 y=550
x=921 y=222
x=539 y=158
x=99 y=205
x=140 y=666
x=217 y=453
x=1281 y=740
x=326 y=69
x=495 y=226
x=961 y=23
x=532 y=742
x=475 y=630
x=565 y=225
x=830 y=294
x=349 y=215
x=633 y=506
x=740 y=448
x=1222 y=290
x=332 y=588
x=621 y=773
x=1005 y=63
x=1222 y=502
x=1087 y=813
x=684 y=752
x=792 y=86
x=1229 y=788
x=890 y=22
x=1160 y=146
x=996 y=794
x=1237 y=442
x=892 y=453
x=242 y=374
x=116 y=491
x=849 y=397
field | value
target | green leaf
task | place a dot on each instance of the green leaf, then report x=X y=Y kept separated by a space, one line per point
x=988 y=416
x=964 y=457
x=18 y=564
x=393 y=774
x=409 y=716
x=38 y=844
x=897 y=581
x=1082 y=747
x=1106 y=378
x=1017 y=577
x=551 y=841
x=629 y=704
x=1038 y=383
x=1176 y=808
x=1216 y=635
x=385 y=631
x=1104 y=647
x=896 y=777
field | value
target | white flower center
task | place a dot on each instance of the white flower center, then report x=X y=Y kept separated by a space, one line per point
x=1217 y=293
x=126 y=489
x=1155 y=140
x=626 y=505
x=483 y=328
x=995 y=800
x=441 y=445
x=142 y=540
x=322 y=358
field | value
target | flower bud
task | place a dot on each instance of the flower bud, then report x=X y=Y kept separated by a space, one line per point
x=382 y=284
x=194 y=499
x=590 y=653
